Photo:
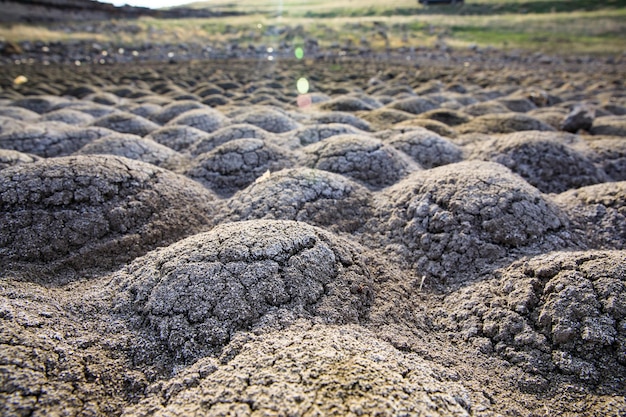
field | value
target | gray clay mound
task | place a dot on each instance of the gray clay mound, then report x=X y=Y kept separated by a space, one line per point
x=486 y=107
x=318 y=371
x=448 y=117
x=598 y=212
x=58 y=363
x=18 y=113
x=131 y=147
x=236 y=164
x=343 y=118
x=178 y=138
x=543 y=159
x=345 y=103
x=92 y=109
x=517 y=104
x=439 y=128
x=306 y=195
x=384 y=118
x=609 y=152
x=8 y=158
x=312 y=134
x=427 y=148
x=145 y=110
x=68 y=116
x=175 y=109
x=207 y=120
x=414 y=105
x=195 y=294
x=609 y=126
x=456 y=221
x=126 y=123
x=95 y=211
x=50 y=139
x=38 y=104
x=227 y=134
x=563 y=311
x=362 y=158
x=267 y=119
x=503 y=123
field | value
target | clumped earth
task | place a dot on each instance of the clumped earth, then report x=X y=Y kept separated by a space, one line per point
x=200 y=239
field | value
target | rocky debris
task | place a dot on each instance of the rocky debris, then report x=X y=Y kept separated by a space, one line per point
x=267 y=119
x=427 y=148
x=94 y=211
x=598 y=212
x=609 y=126
x=362 y=158
x=195 y=294
x=457 y=221
x=305 y=195
x=131 y=147
x=178 y=138
x=206 y=119
x=322 y=370
x=9 y=158
x=236 y=164
x=560 y=312
x=126 y=123
x=50 y=139
x=503 y=123
x=227 y=134
x=544 y=159
x=580 y=118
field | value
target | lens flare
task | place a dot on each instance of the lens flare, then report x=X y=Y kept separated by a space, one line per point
x=302 y=85
x=299 y=53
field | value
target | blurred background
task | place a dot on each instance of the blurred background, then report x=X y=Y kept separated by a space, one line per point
x=176 y=29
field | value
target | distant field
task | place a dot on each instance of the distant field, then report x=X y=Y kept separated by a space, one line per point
x=552 y=26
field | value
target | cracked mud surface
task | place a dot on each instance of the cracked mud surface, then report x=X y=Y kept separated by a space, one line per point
x=400 y=241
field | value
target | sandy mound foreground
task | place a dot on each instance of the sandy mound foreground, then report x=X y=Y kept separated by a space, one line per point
x=397 y=242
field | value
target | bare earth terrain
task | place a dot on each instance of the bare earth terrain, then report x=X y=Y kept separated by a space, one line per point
x=439 y=236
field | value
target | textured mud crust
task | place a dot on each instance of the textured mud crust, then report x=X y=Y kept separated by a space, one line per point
x=178 y=138
x=609 y=126
x=196 y=293
x=68 y=116
x=94 y=211
x=307 y=195
x=598 y=212
x=50 y=139
x=454 y=221
x=227 y=134
x=9 y=158
x=427 y=148
x=324 y=370
x=414 y=105
x=503 y=123
x=610 y=155
x=131 y=147
x=312 y=134
x=362 y=158
x=237 y=164
x=175 y=109
x=207 y=120
x=562 y=312
x=544 y=159
x=126 y=123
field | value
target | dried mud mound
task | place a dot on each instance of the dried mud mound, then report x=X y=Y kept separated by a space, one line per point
x=195 y=294
x=562 y=312
x=457 y=220
x=322 y=370
x=404 y=239
x=306 y=195
x=598 y=212
x=544 y=159
x=92 y=211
